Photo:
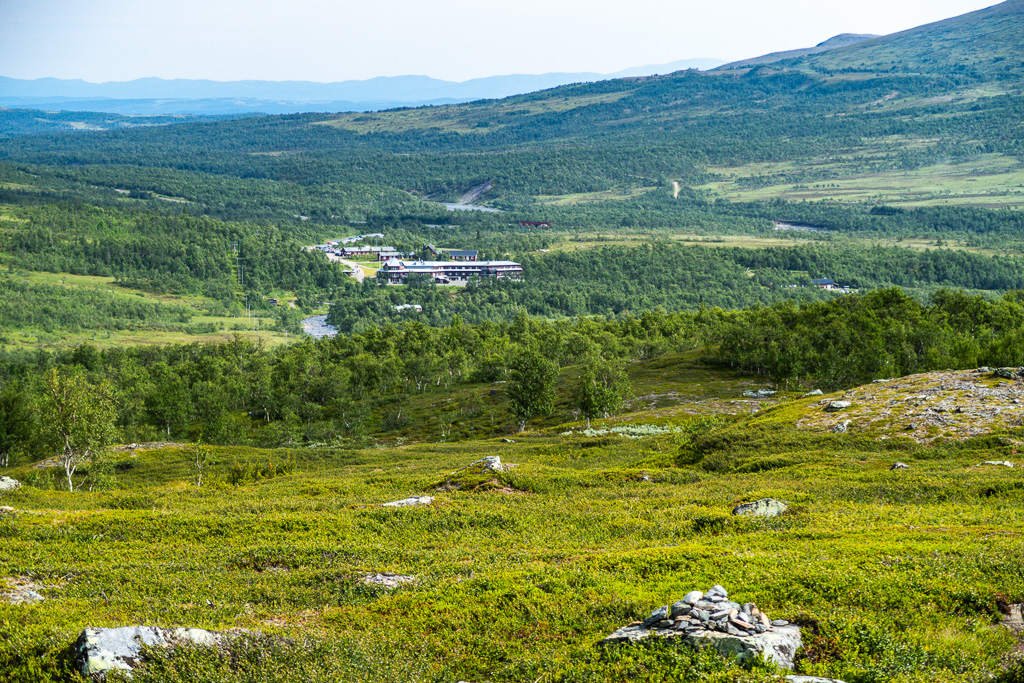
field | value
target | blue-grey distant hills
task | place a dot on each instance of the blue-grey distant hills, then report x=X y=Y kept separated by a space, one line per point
x=156 y=96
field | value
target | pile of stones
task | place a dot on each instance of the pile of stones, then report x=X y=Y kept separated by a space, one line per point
x=712 y=620
x=712 y=611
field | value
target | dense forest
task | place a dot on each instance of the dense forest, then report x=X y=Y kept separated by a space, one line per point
x=340 y=389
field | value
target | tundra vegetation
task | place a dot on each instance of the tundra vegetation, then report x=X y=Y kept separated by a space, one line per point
x=186 y=461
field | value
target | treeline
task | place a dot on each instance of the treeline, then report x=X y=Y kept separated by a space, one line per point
x=240 y=393
x=355 y=384
x=885 y=333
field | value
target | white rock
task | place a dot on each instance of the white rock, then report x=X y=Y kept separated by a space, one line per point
x=693 y=597
x=997 y=463
x=8 y=484
x=101 y=650
x=835 y=406
x=842 y=427
x=388 y=580
x=408 y=502
x=812 y=679
x=766 y=507
x=816 y=392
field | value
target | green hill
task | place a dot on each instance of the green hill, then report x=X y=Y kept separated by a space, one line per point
x=981 y=46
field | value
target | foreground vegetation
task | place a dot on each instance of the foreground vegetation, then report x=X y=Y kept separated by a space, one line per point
x=894 y=576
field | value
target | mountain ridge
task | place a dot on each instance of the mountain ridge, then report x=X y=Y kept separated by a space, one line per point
x=155 y=96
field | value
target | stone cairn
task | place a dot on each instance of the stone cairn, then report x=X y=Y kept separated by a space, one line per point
x=711 y=611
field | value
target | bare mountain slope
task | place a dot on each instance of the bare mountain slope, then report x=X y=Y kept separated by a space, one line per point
x=842 y=40
x=980 y=45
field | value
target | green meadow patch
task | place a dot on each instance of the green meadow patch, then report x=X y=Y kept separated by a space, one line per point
x=893 y=575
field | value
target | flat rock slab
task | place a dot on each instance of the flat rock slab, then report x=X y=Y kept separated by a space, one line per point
x=388 y=580
x=766 y=507
x=8 y=484
x=409 y=502
x=101 y=650
x=778 y=645
x=836 y=406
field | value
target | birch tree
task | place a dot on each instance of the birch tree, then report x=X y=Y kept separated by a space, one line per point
x=76 y=419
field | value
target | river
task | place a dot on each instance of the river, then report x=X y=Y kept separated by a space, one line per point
x=316 y=326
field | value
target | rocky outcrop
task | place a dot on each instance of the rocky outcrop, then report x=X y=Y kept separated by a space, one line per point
x=101 y=650
x=711 y=620
x=948 y=404
x=766 y=507
x=8 y=484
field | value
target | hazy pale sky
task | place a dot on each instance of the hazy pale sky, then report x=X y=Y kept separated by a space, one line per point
x=324 y=40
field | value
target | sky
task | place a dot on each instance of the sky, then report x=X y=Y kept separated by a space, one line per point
x=337 y=40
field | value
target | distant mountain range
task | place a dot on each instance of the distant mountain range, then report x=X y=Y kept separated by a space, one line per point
x=157 y=96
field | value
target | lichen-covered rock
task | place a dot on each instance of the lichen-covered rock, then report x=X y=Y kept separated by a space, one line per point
x=759 y=393
x=778 y=645
x=816 y=392
x=766 y=507
x=8 y=484
x=101 y=650
x=408 y=502
x=835 y=406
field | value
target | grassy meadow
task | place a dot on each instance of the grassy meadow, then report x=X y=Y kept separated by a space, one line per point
x=893 y=575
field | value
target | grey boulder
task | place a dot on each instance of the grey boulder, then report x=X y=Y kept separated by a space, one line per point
x=759 y=393
x=836 y=406
x=778 y=645
x=766 y=507
x=101 y=650
x=8 y=484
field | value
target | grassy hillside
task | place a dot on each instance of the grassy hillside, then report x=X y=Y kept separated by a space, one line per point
x=942 y=96
x=894 y=576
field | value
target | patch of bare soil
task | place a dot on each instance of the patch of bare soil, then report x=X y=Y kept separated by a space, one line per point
x=956 y=404
x=18 y=590
x=148 y=446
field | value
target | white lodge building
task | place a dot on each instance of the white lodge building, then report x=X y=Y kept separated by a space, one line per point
x=449 y=271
